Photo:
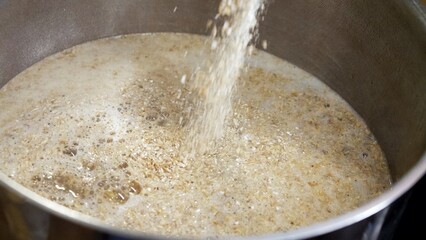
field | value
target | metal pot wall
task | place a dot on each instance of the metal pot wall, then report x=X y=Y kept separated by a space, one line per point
x=373 y=53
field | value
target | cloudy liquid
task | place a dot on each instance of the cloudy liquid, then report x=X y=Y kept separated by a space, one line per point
x=99 y=128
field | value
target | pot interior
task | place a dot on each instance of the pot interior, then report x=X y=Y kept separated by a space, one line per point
x=371 y=53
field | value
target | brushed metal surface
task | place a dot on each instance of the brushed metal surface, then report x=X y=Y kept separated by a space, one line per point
x=32 y=30
x=372 y=53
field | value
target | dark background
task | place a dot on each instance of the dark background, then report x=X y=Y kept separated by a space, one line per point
x=412 y=222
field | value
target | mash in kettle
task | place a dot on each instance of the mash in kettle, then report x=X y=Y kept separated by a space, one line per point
x=99 y=128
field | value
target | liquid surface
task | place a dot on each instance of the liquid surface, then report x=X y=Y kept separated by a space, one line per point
x=99 y=128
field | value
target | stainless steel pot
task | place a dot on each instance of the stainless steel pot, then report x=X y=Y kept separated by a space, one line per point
x=373 y=53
